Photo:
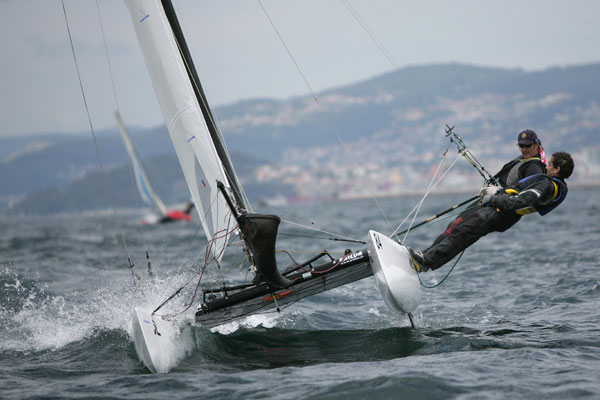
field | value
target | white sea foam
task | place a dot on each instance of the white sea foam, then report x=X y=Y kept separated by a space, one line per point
x=46 y=321
x=252 y=321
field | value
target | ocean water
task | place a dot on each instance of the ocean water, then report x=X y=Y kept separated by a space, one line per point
x=518 y=317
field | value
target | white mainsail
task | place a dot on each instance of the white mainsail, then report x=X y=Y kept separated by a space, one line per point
x=147 y=194
x=185 y=121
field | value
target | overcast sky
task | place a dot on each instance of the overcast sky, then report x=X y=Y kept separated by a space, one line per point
x=239 y=56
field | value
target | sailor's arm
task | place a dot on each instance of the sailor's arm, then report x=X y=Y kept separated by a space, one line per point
x=527 y=198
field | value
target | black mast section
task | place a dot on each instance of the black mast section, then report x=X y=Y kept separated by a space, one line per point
x=201 y=97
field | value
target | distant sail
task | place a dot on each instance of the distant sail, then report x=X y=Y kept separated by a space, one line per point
x=147 y=194
x=189 y=127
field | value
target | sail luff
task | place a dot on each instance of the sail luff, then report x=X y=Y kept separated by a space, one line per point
x=142 y=183
x=188 y=127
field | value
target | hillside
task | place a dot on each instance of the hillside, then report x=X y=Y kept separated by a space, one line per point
x=382 y=136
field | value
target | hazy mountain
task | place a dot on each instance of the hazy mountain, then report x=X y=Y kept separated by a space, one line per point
x=385 y=132
x=503 y=100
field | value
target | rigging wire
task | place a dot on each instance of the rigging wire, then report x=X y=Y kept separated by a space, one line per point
x=396 y=66
x=371 y=34
x=304 y=78
x=444 y=214
x=427 y=192
x=207 y=261
x=239 y=190
x=98 y=153
x=327 y=116
x=215 y=121
x=149 y=268
x=116 y=98
x=322 y=238
x=191 y=244
x=313 y=224
x=387 y=54
x=443 y=218
x=445 y=277
x=321 y=230
x=108 y=62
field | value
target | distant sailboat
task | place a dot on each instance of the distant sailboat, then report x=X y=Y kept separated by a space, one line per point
x=160 y=213
x=226 y=215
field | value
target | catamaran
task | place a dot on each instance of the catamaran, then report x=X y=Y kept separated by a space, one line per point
x=226 y=214
x=159 y=212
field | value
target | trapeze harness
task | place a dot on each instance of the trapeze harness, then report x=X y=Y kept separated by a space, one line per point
x=515 y=165
x=560 y=193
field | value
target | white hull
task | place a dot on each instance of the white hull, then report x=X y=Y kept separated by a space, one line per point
x=396 y=279
x=154 y=338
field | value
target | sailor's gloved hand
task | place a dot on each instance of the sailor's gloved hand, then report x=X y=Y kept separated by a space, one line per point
x=485 y=200
x=486 y=193
x=490 y=190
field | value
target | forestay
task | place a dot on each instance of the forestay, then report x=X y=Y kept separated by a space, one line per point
x=185 y=121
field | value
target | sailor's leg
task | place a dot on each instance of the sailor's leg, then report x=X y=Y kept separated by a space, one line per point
x=462 y=216
x=460 y=234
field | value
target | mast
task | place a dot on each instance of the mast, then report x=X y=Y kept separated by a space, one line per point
x=202 y=101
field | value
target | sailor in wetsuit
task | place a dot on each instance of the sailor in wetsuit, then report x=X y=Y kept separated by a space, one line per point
x=532 y=161
x=176 y=215
x=498 y=212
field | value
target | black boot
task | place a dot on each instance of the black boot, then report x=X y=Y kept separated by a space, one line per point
x=417 y=260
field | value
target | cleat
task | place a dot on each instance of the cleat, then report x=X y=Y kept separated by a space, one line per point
x=417 y=260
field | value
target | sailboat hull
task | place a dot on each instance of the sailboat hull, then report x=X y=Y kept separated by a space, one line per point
x=386 y=259
x=396 y=279
x=153 y=338
x=307 y=282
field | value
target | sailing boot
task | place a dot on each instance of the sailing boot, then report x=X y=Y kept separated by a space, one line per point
x=418 y=260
